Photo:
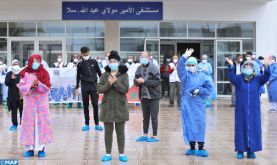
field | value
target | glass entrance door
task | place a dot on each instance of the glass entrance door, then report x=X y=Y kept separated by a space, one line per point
x=225 y=48
x=21 y=50
x=153 y=46
x=50 y=50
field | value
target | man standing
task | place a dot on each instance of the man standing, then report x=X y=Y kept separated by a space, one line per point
x=147 y=78
x=237 y=69
x=87 y=71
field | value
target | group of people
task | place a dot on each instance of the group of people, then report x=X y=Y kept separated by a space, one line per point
x=193 y=79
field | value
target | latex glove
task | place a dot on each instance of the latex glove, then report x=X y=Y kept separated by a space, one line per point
x=188 y=53
x=194 y=92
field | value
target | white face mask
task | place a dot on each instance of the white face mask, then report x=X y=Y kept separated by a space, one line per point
x=248 y=58
x=16 y=69
x=175 y=60
x=191 y=69
x=75 y=60
x=59 y=60
x=204 y=61
x=272 y=61
x=86 y=57
x=240 y=60
x=130 y=60
x=1 y=62
x=99 y=61
x=167 y=60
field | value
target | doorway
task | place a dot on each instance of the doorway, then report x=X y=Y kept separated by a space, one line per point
x=181 y=49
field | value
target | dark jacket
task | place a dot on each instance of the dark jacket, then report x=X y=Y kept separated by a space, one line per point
x=235 y=66
x=13 y=100
x=87 y=72
x=151 y=88
x=114 y=106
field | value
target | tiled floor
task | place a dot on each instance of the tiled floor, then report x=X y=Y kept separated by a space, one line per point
x=74 y=147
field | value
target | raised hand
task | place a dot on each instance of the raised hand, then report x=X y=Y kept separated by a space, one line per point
x=230 y=61
x=188 y=52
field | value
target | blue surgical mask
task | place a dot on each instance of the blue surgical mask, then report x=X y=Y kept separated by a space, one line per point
x=247 y=72
x=35 y=65
x=144 y=61
x=113 y=66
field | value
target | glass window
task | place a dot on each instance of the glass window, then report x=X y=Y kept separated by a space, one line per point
x=222 y=74
x=50 y=29
x=4 y=57
x=22 y=29
x=201 y=29
x=248 y=45
x=132 y=44
x=3 y=44
x=226 y=46
x=244 y=30
x=85 y=29
x=138 y=29
x=224 y=89
x=3 y=29
x=173 y=29
x=75 y=44
x=221 y=61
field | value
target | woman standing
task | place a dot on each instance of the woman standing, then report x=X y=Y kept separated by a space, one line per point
x=114 y=84
x=34 y=85
x=248 y=132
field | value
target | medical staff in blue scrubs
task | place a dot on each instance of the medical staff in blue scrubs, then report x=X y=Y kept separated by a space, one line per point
x=195 y=87
x=272 y=86
x=248 y=132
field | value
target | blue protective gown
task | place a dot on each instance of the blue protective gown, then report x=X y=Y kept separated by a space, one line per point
x=272 y=85
x=248 y=133
x=193 y=113
x=208 y=70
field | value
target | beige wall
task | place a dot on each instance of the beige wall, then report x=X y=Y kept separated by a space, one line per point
x=112 y=35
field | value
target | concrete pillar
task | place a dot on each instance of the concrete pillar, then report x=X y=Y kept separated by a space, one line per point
x=112 y=36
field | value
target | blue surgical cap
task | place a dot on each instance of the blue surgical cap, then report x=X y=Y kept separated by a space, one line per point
x=192 y=61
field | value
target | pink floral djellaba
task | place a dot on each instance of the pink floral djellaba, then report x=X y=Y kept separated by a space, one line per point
x=35 y=101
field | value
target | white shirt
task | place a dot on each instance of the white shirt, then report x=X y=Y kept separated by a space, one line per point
x=173 y=77
x=237 y=69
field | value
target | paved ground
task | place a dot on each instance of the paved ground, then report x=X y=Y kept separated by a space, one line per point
x=72 y=146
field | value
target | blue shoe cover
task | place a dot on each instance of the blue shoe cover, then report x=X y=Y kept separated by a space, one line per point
x=142 y=139
x=106 y=158
x=190 y=152
x=202 y=153
x=28 y=153
x=13 y=128
x=86 y=128
x=240 y=155
x=251 y=155
x=98 y=128
x=123 y=158
x=41 y=154
x=152 y=140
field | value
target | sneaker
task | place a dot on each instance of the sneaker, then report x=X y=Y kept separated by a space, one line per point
x=153 y=140
x=41 y=154
x=203 y=153
x=13 y=128
x=142 y=139
x=106 y=158
x=190 y=152
x=240 y=155
x=123 y=158
x=251 y=155
x=29 y=153
x=86 y=128
x=98 y=128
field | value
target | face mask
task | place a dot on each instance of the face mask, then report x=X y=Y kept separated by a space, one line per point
x=272 y=61
x=253 y=56
x=204 y=61
x=114 y=66
x=247 y=72
x=240 y=60
x=75 y=60
x=192 y=69
x=1 y=62
x=35 y=65
x=248 y=58
x=175 y=60
x=59 y=60
x=130 y=60
x=15 y=69
x=144 y=61
x=85 y=58
x=99 y=61
x=167 y=60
